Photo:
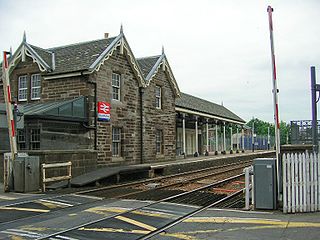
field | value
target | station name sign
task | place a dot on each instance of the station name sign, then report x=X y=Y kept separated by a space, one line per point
x=104 y=111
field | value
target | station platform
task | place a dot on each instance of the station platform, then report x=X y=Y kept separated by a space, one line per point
x=159 y=168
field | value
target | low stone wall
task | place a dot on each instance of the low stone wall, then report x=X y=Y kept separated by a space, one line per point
x=83 y=161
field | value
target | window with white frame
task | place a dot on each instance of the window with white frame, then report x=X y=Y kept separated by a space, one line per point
x=23 y=88
x=35 y=86
x=22 y=139
x=158 y=97
x=116 y=86
x=35 y=138
x=159 y=141
x=116 y=142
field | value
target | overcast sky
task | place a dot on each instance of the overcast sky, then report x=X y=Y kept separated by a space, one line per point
x=218 y=50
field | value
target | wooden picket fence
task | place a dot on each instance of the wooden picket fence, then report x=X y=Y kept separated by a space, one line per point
x=301 y=182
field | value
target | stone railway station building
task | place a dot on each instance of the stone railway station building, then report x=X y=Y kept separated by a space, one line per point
x=58 y=91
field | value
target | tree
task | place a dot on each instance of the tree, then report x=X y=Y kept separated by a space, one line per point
x=261 y=128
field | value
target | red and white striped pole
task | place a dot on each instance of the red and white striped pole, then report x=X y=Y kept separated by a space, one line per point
x=275 y=92
x=7 y=96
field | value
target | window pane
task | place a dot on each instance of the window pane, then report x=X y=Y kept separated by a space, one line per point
x=158 y=97
x=35 y=138
x=22 y=88
x=21 y=139
x=115 y=93
x=159 y=141
x=35 y=86
x=116 y=142
x=116 y=84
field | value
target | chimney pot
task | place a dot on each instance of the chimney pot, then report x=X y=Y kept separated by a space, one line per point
x=106 y=35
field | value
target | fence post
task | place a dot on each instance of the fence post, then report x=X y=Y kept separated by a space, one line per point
x=284 y=182
x=318 y=161
x=296 y=182
x=315 y=180
x=289 y=181
x=300 y=183
x=293 y=184
x=308 y=181
x=247 y=187
x=312 y=181
x=304 y=177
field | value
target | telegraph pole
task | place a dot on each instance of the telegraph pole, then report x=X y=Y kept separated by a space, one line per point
x=275 y=92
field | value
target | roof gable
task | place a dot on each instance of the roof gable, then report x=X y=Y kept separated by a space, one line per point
x=151 y=65
x=39 y=56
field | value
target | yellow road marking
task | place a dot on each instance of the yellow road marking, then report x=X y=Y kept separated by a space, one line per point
x=104 y=210
x=55 y=204
x=7 y=198
x=252 y=221
x=114 y=230
x=46 y=204
x=153 y=214
x=24 y=209
x=144 y=232
x=136 y=223
x=38 y=229
x=16 y=238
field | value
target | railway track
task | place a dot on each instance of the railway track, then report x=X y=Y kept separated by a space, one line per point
x=155 y=185
x=51 y=203
x=77 y=232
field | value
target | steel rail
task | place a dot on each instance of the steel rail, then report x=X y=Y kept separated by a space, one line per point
x=142 y=207
x=185 y=181
x=182 y=218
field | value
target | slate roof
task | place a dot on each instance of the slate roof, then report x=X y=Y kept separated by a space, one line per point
x=77 y=57
x=44 y=54
x=146 y=64
x=200 y=105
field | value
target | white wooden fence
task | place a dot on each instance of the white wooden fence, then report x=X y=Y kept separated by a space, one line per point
x=301 y=182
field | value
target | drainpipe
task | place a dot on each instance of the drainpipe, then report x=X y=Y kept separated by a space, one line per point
x=141 y=91
x=95 y=115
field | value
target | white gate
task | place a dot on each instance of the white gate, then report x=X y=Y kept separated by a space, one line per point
x=301 y=182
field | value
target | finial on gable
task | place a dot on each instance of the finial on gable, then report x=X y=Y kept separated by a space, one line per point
x=11 y=51
x=121 y=29
x=24 y=39
x=162 y=50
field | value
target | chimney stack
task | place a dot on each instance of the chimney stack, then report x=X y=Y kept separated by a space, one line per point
x=106 y=35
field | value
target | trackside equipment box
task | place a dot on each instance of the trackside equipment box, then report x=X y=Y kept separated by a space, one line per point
x=265 y=183
x=26 y=174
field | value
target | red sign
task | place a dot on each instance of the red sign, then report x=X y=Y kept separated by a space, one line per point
x=104 y=111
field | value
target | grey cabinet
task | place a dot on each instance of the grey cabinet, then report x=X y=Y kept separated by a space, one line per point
x=26 y=174
x=265 y=183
